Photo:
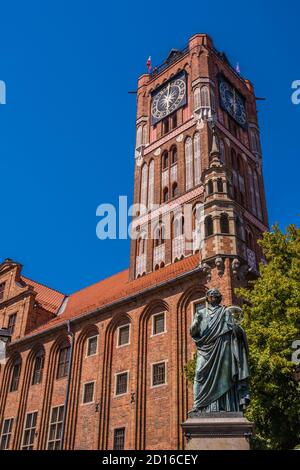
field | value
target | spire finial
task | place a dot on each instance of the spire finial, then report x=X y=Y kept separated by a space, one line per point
x=215 y=151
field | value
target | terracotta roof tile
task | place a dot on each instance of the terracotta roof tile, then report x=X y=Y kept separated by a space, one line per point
x=48 y=298
x=118 y=287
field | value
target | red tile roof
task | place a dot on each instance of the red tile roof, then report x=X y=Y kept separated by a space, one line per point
x=48 y=298
x=116 y=288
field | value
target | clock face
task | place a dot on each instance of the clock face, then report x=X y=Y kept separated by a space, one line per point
x=233 y=103
x=169 y=98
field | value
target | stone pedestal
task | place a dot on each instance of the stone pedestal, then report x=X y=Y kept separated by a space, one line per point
x=217 y=431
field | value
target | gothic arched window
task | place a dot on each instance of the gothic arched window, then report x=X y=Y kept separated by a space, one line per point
x=224 y=223
x=151 y=184
x=38 y=367
x=15 y=378
x=197 y=101
x=159 y=235
x=174 y=190
x=210 y=187
x=165 y=160
x=139 y=136
x=220 y=185
x=144 y=135
x=141 y=245
x=197 y=158
x=205 y=96
x=178 y=226
x=196 y=217
x=189 y=171
x=174 y=121
x=212 y=100
x=165 y=195
x=165 y=125
x=174 y=155
x=209 y=229
x=144 y=184
x=63 y=360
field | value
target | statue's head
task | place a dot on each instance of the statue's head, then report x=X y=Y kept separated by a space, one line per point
x=213 y=297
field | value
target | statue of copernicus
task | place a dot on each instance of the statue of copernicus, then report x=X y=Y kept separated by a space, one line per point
x=222 y=358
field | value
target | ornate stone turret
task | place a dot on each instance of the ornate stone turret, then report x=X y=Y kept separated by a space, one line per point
x=219 y=217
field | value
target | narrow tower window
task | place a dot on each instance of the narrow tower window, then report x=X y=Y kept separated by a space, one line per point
x=197 y=158
x=205 y=97
x=144 y=182
x=209 y=229
x=224 y=223
x=189 y=172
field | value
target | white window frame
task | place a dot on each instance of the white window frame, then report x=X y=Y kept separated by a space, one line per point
x=2 y=429
x=87 y=346
x=83 y=390
x=118 y=335
x=165 y=361
x=165 y=324
x=23 y=446
x=127 y=387
x=49 y=425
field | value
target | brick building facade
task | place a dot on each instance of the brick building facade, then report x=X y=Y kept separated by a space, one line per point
x=103 y=367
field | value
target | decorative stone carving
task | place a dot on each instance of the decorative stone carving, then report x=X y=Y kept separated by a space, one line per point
x=206 y=269
x=157 y=152
x=219 y=265
x=179 y=138
x=138 y=158
x=200 y=124
x=235 y=265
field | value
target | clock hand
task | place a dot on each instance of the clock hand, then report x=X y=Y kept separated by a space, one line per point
x=168 y=97
x=234 y=102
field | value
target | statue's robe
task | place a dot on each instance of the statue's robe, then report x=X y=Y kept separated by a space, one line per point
x=222 y=365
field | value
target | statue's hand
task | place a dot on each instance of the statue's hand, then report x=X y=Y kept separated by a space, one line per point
x=194 y=329
x=198 y=315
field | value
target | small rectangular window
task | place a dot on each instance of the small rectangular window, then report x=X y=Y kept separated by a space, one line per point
x=121 y=383
x=88 y=392
x=92 y=346
x=55 y=428
x=158 y=323
x=119 y=439
x=29 y=431
x=12 y=323
x=2 y=288
x=123 y=335
x=6 y=433
x=158 y=374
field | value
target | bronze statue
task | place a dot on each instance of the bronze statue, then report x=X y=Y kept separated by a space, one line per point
x=220 y=383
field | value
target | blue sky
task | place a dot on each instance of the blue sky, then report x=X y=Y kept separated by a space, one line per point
x=67 y=131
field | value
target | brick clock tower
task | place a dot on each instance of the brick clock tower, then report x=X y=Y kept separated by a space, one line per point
x=198 y=170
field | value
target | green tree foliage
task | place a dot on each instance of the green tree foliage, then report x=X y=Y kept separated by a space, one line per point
x=272 y=324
